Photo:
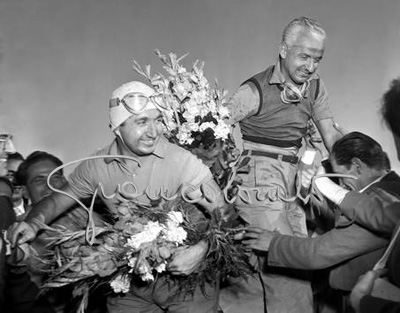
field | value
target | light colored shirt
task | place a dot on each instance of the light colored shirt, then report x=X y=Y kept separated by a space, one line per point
x=165 y=171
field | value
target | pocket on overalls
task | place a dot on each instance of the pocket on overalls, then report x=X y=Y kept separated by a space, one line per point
x=264 y=172
x=268 y=178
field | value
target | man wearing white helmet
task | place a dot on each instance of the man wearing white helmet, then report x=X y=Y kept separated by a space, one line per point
x=137 y=164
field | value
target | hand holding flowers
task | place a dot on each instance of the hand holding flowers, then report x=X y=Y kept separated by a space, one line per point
x=186 y=259
x=172 y=238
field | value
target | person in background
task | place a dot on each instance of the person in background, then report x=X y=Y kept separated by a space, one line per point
x=7 y=217
x=18 y=294
x=32 y=174
x=20 y=201
x=349 y=249
x=360 y=297
x=151 y=162
x=13 y=161
x=273 y=109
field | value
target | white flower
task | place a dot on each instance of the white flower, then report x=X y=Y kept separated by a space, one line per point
x=191 y=107
x=199 y=97
x=147 y=277
x=120 y=283
x=185 y=137
x=191 y=113
x=222 y=130
x=144 y=271
x=132 y=263
x=192 y=127
x=175 y=234
x=206 y=125
x=175 y=217
x=150 y=232
x=161 y=267
x=181 y=70
x=223 y=111
x=182 y=89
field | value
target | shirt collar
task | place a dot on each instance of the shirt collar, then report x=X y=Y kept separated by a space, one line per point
x=277 y=76
x=118 y=148
x=375 y=181
x=19 y=210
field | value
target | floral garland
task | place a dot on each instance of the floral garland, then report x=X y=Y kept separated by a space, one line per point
x=196 y=111
x=140 y=243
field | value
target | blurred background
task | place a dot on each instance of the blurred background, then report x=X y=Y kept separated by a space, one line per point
x=60 y=60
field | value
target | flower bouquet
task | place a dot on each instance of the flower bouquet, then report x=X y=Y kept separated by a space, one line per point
x=195 y=113
x=139 y=245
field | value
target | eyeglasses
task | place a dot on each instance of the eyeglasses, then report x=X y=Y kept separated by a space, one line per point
x=292 y=94
x=136 y=102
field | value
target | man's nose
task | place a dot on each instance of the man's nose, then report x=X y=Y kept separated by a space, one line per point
x=311 y=65
x=152 y=130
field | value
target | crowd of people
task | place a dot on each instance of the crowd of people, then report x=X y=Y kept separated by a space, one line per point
x=319 y=239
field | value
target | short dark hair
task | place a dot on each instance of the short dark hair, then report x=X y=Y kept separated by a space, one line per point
x=359 y=145
x=33 y=158
x=391 y=106
x=15 y=156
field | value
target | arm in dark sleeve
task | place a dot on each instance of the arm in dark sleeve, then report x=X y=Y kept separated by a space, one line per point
x=378 y=210
x=333 y=247
x=370 y=304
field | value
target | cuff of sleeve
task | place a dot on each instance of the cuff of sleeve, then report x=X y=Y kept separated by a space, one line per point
x=37 y=222
x=330 y=190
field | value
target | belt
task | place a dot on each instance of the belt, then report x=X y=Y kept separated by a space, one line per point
x=285 y=158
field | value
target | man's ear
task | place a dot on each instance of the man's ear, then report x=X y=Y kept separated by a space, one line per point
x=283 y=49
x=25 y=192
x=358 y=165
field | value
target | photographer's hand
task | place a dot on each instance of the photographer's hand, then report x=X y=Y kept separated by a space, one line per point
x=256 y=238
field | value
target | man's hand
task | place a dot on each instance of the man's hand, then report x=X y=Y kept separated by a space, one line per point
x=256 y=238
x=363 y=287
x=22 y=232
x=187 y=259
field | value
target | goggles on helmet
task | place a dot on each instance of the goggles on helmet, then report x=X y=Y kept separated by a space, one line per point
x=136 y=102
